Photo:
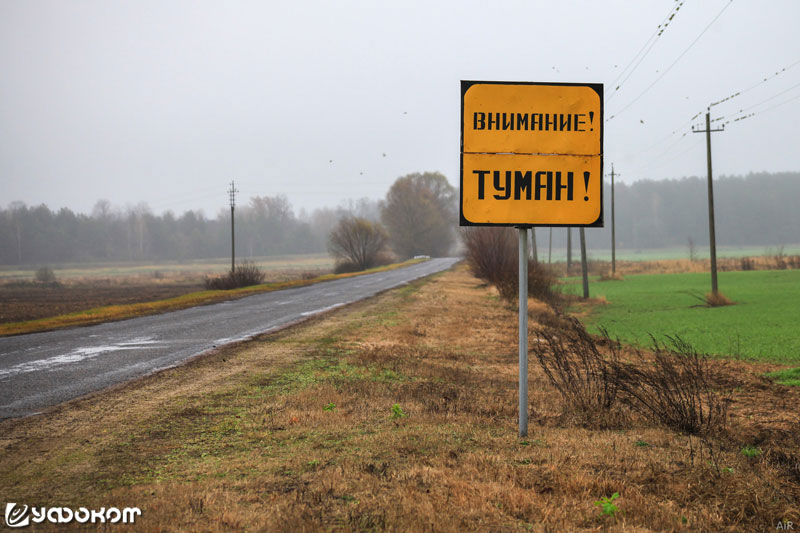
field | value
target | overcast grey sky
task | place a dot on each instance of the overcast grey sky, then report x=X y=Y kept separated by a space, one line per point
x=166 y=102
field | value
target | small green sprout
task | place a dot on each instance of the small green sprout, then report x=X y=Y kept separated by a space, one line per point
x=607 y=505
x=330 y=407
x=751 y=451
x=397 y=411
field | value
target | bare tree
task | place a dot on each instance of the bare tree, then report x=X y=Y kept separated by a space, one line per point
x=357 y=241
x=420 y=215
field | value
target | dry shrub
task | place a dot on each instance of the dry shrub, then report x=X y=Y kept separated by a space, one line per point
x=607 y=275
x=307 y=275
x=543 y=283
x=717 y=299
x=345 y=267
x=576 y=368
x=45 y=275
x=245 y=275
x=490 y=251
x=493 y=256
x=676 y=387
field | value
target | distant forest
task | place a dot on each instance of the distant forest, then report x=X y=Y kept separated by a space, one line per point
x=757 y=209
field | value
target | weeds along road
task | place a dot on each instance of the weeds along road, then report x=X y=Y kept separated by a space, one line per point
x=44 y=369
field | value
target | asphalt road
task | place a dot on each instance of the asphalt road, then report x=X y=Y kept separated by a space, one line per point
x=45 y=369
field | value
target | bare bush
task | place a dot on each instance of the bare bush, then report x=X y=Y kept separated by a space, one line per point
x=45 y=274
x=676 y=388
x=717 y=299
x=420 y=216
x=489 y=251
x=492 y=256
x=542 y=283
x=357 y=242
x=245 y=275
x=573 y=364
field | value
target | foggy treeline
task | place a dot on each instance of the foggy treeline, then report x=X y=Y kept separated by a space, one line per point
x=753 y=210
x=264 y=226
x=757 y=209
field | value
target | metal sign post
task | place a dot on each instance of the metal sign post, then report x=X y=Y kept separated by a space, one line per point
x=531 y=155
x=523 y=332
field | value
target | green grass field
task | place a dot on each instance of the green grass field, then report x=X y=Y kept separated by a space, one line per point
x=763 y=325
x=657 y=254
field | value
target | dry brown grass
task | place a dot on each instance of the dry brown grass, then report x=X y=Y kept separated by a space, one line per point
x=294 y=432
x=724 y=264
x=717 y=299
x=611 y=276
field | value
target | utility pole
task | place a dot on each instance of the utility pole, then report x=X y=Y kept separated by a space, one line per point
x=569 y=249
x=533 y=245
x=550 y=248
x=232 y=194
x=584 y=266
x=613 y=227
x=711 y=232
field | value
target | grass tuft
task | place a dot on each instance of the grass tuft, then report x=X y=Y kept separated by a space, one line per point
x=717 y=299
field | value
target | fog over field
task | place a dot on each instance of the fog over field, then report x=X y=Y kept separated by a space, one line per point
x=166 y=103
x=755 y=210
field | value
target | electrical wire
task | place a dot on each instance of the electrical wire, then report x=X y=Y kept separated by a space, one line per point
x=744 y=117
x=768 y=78
x=674 y=62
x=652 y=42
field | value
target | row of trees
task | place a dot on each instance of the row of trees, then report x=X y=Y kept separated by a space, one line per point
x=754 y=210
x=36 y=235
x=418 y=217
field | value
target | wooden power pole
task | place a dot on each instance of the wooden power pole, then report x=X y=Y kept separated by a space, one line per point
x=232 y=194
x=584 y=265
x=711 y=233
x=569 y=249
x=613 y=228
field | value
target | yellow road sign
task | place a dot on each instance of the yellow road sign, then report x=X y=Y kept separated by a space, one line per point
x=531 y=154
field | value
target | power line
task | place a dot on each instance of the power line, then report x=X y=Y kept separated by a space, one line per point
x=674 y=62
x=769 y=99
x=654 y=38
x=768 y=78
x=725 y=118
x=743 y=117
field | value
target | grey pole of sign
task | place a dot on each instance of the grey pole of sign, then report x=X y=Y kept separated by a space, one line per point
x=523 y=332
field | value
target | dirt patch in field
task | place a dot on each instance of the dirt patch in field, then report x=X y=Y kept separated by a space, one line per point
x=399 y=414
x=32 y=302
